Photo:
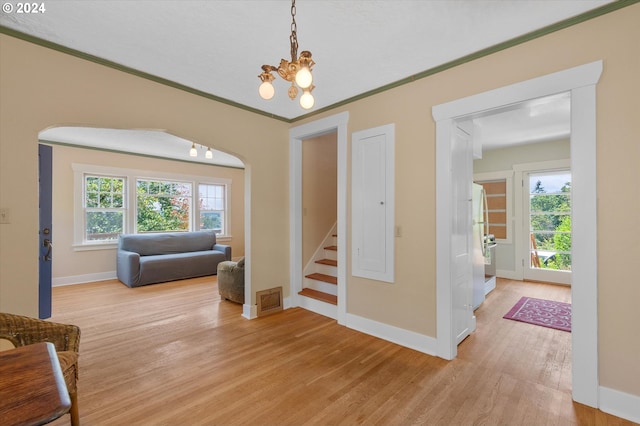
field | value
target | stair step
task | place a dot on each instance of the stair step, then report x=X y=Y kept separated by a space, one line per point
x=333 y=248
x=318 y=295
x=329 y=262
x=323 y=277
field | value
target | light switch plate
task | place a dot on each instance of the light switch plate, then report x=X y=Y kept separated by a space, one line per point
x=4 y=216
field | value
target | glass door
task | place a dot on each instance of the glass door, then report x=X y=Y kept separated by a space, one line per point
x=548 y=207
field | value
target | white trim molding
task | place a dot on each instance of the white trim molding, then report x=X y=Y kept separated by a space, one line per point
x=83 y=279
x=620 y=404
x=581 y=82
x=335 y=123
x=400 y=336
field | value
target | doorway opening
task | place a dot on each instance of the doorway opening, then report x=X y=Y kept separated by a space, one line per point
x=334 y=124
x=581 y=83
x=88 y=221
x=547 y=225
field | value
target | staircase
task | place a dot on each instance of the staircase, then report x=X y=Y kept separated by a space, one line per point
x=321 y=275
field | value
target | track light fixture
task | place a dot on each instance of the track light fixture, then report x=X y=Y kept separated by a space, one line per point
x=297 y=71
x=193 y=152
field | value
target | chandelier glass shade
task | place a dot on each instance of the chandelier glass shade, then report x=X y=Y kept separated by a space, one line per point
x=297 y=71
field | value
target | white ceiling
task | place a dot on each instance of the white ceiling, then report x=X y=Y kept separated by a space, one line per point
x=154 y=143
x=218 y=46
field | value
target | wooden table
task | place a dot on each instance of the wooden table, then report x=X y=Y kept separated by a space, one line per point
x=32 y=388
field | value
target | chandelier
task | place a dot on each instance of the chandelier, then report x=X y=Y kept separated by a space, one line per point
x=297 y=71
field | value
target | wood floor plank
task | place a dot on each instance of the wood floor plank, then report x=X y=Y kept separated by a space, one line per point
x=175 y=353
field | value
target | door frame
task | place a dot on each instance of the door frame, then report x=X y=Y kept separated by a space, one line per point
x=335 y=123
x=522 y=241
x=581 y=82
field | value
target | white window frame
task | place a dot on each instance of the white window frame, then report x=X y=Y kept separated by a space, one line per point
x=131 y=176
x=86 y=209
x=197 y=211
x=520 y=170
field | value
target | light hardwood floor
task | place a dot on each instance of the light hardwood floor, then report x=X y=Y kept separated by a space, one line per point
x=175 y=354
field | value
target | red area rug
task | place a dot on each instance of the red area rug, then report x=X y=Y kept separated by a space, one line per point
x=546 y=313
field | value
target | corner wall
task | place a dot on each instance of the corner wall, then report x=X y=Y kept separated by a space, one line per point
x=410 y=302
x=43 y=88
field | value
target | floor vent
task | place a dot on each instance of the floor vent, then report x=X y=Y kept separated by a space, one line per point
x=269 y=301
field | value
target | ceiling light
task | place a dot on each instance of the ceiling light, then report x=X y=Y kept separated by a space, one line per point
x=297 y=71
x=208 y=154
x=193 y=152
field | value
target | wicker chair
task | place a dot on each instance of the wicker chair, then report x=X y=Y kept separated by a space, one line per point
x=22 y=331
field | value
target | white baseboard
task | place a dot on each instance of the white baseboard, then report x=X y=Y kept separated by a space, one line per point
x=322 y=308
x=286 y=303
x=400 y=336
x=510 y=275
x=83 y=279
x=620 y=404
x=249 y=311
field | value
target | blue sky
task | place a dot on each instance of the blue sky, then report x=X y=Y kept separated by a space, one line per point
x=551 y=182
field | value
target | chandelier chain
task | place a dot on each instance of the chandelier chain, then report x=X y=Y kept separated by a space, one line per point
x=293 y=38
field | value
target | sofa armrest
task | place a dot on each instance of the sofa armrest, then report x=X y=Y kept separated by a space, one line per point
x=225 y=249
x=128 y=267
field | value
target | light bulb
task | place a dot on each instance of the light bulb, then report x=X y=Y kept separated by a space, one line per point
x=304 y=78
x=266 y=90
x=306 y=100
x=193 y=152
x=208 y=154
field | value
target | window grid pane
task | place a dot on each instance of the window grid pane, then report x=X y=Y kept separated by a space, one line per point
x=212 y=207
x=104 y=209
x=550 y=220
x=163 y=206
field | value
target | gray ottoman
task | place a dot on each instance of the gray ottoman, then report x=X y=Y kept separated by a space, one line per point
x=231 y=280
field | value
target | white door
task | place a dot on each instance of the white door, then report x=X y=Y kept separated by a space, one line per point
x=373 y=208
x=547 y=209
x=461 y=234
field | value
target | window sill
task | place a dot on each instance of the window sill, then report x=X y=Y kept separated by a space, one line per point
x=95 y=246
x=114 y=245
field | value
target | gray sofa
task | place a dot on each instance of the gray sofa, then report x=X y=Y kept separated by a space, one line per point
x=154 y=258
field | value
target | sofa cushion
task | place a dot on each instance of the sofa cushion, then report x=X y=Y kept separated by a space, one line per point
x=161 y=268
x=168 y=242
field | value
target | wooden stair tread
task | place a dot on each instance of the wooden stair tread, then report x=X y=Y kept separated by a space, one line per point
x=322 y=277
x=318 y=295
x=327 y=262
x=334 y=248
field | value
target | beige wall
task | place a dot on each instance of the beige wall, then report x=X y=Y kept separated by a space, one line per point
x=410 y=302
x=70 y=263
x=41 y=88
x=319 y=191
x=503 y=159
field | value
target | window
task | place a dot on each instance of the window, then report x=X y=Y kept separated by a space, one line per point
x=212 y=202
x=111 y=201
x=496 y=191
x=163 y=206
x=550 y=220
x=104 y=207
